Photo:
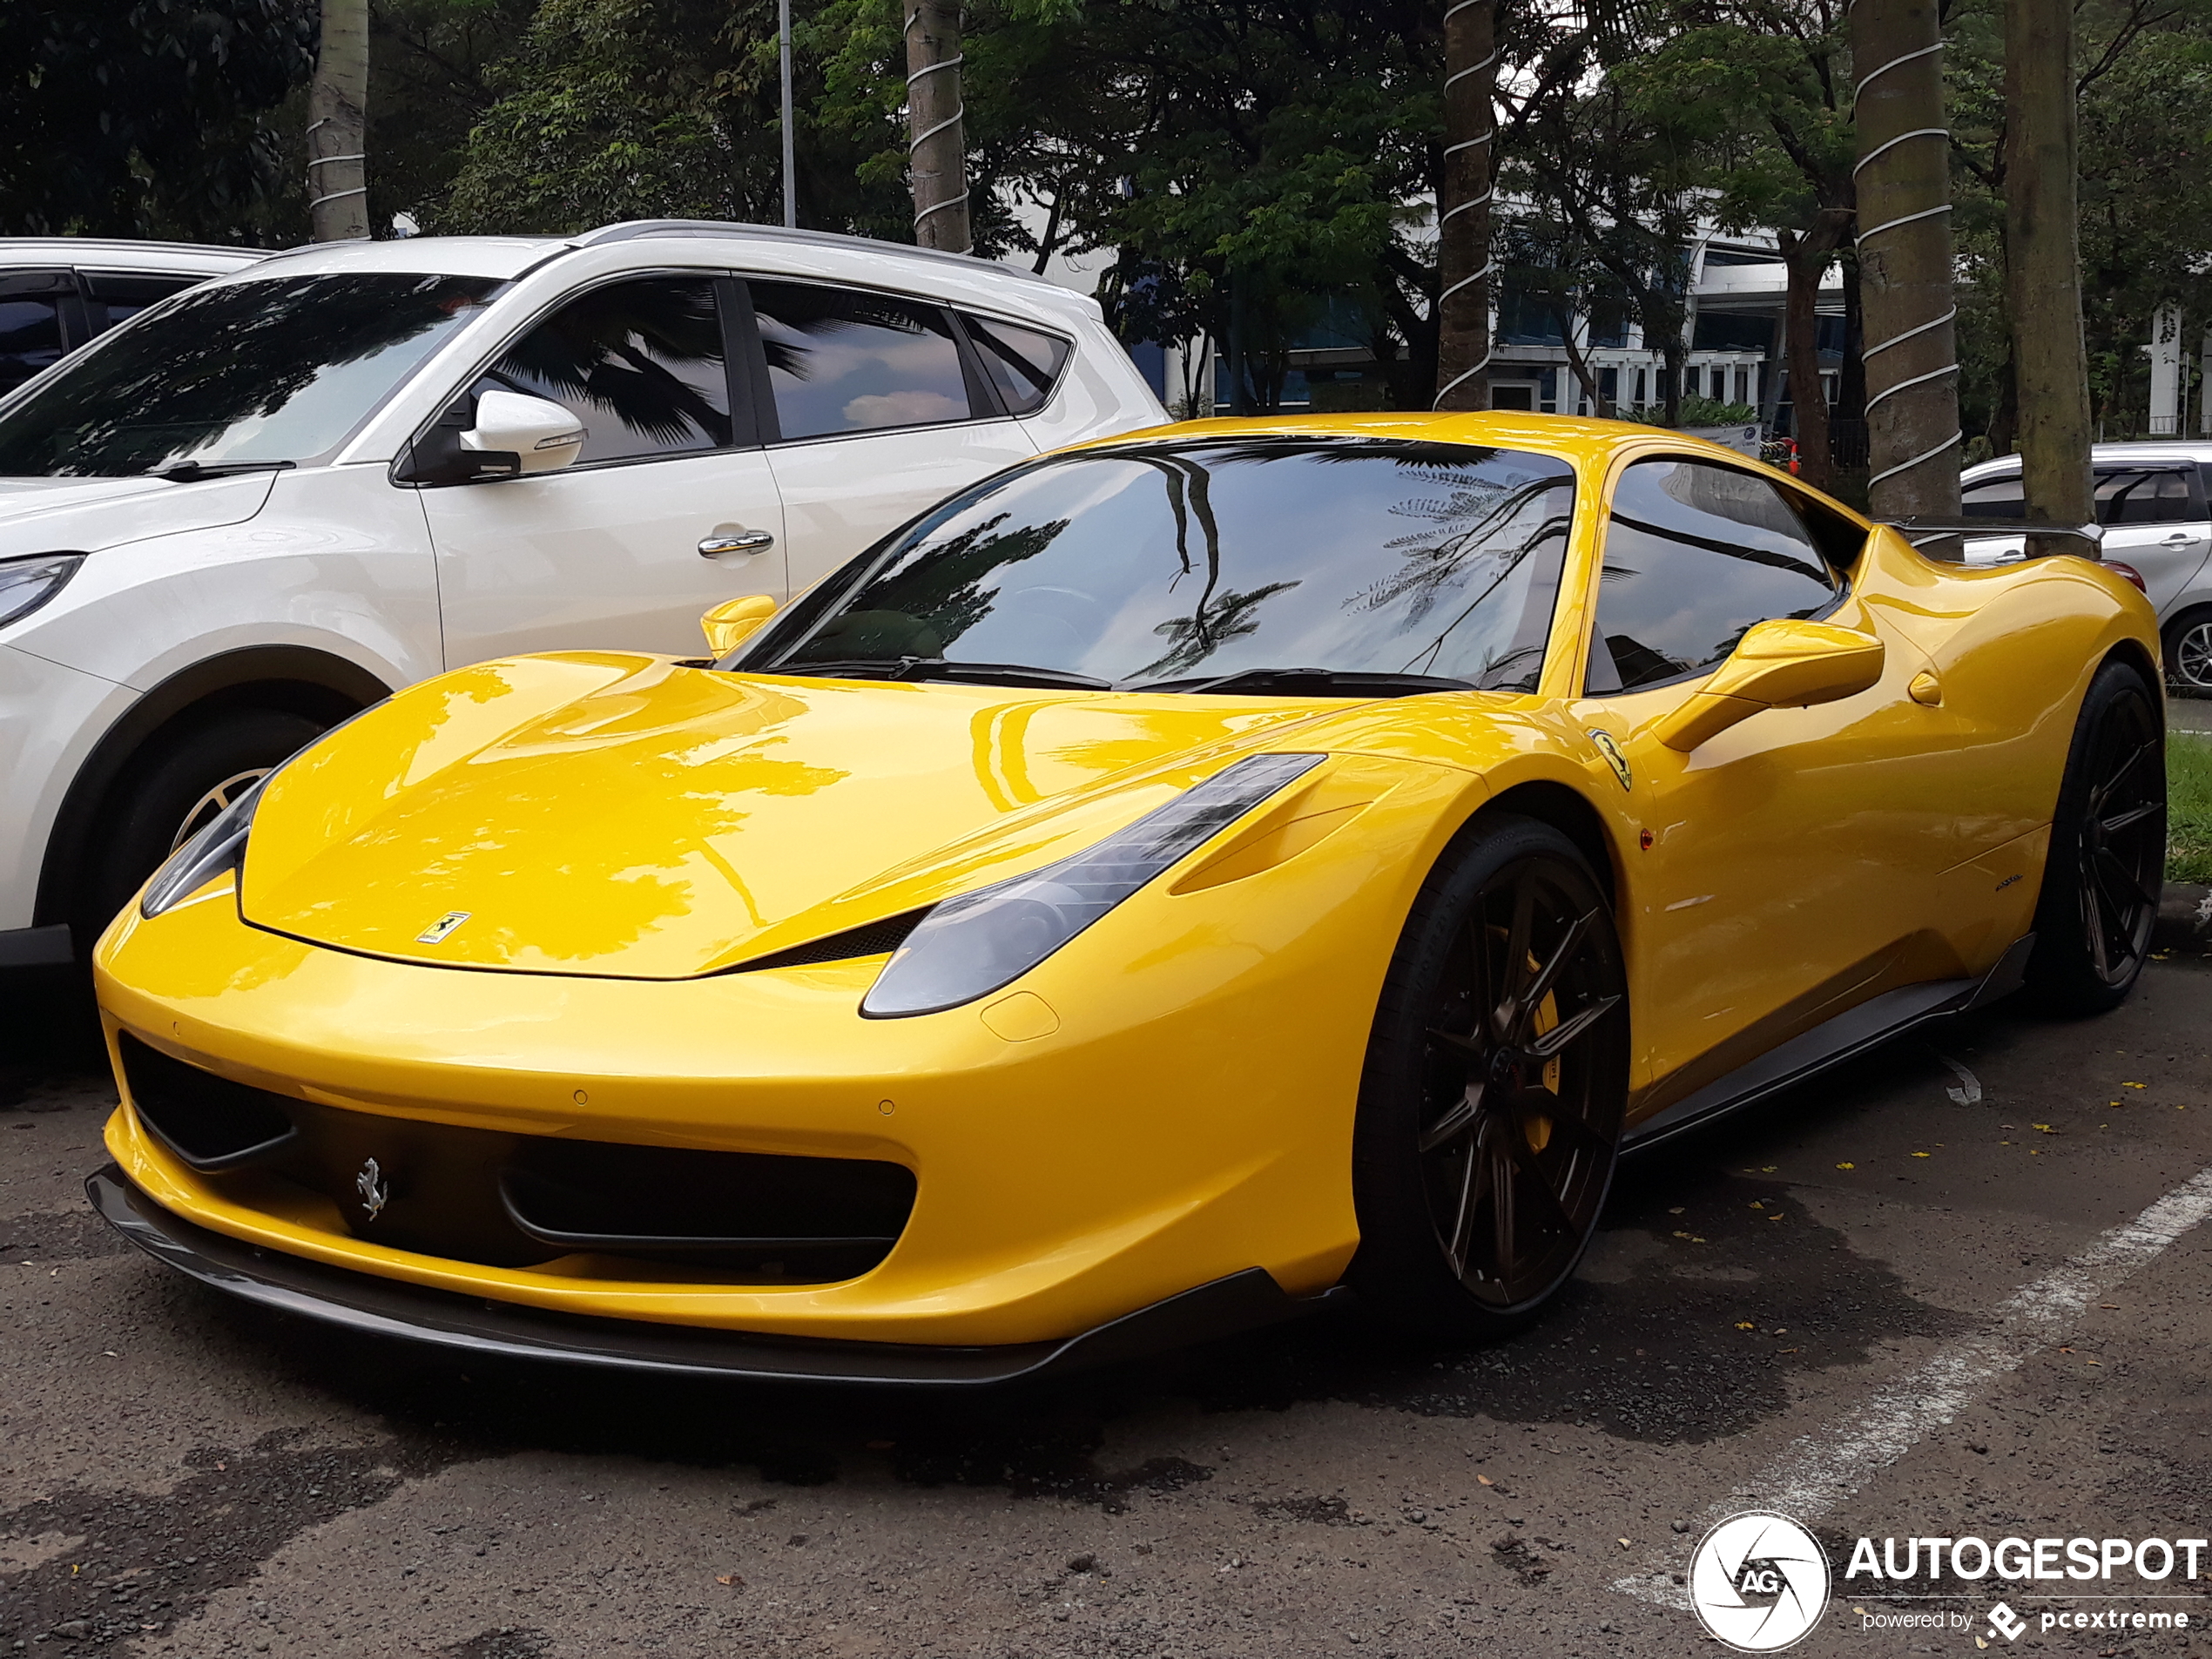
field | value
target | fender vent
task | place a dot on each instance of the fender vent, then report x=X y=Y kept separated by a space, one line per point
x=875 y=938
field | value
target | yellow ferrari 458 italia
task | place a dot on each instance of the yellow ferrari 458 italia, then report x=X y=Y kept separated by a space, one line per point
x=1174 y=883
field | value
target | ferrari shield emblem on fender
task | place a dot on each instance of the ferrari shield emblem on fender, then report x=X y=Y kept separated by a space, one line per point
x=436 y=932
x=374 y=1192
x=1607 y=747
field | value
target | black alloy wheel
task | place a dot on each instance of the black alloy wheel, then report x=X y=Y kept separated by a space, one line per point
x=2188 y=654
x=2105 y=873
x=1491 y=1112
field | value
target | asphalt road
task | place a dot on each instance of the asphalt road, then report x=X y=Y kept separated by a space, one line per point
x=1779 y=1311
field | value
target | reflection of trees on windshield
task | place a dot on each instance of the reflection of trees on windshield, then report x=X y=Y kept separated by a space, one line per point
x=1485 y=528
x=175 y=386
x=611 y=349
x=947 y=586
x=1205 y=630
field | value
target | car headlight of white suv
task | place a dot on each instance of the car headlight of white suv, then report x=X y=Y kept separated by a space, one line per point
x=27 y=583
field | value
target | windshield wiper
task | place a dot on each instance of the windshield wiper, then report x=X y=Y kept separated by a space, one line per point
x=937 y=668
x=1313 y=682
x=187 y=472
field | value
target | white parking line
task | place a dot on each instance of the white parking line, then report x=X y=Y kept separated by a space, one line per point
x=1817 y=1471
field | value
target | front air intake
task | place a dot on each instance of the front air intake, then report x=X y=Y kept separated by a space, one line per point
x=209 y=1122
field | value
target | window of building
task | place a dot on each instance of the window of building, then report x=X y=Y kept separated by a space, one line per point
x=641 y=362
x=1512 y=395
x=843 y=360
x=1694 y=554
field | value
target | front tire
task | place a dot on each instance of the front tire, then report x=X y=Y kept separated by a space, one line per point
x=2106 y=870
x=1491 y=1106
x=172 y=790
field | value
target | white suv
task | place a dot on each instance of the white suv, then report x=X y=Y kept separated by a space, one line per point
x=268 y=502
x=2152 y=501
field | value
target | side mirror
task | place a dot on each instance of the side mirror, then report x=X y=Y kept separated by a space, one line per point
x=1781 y=664
x=734 y=621
x=535 y=433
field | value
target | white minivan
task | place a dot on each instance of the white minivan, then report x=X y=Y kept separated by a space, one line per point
x=270 y=501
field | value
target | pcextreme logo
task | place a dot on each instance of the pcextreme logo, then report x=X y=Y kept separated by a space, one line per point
x=1759 y=1581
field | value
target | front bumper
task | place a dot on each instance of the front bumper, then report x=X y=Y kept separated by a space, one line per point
x=386 y=1307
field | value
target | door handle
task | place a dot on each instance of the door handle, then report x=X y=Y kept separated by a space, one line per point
x=2179 y=538
x=736 y=542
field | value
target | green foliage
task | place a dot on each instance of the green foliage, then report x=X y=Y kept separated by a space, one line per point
x=430 y=64
x=2188 y=807
x=121 y=117
x=1705 y=411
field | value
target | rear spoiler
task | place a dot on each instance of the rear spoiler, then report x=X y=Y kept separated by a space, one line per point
x=2085 y=541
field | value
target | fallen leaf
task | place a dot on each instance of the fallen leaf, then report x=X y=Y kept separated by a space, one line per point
x=1924 y=1155
x=1483 y=1480
x=1847 y=1166
x=1758 y=1204
x=1785 y=1350
x=2093 y=1362
x=2045 y=1127
x=2134 y=1085
x=1782 y=1330
x=731 y=1579
x=1676 y=1210
x=2114 y=1306
x=1745 y=1324
x=1693 y=1237
x=1766 y=1169
x=1623 y=1543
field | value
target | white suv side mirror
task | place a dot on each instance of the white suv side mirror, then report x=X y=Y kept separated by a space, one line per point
x=540 y=434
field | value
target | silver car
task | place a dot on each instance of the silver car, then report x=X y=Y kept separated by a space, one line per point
x=2155 y=502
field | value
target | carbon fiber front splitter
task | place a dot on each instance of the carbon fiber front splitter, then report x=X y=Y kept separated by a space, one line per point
x=367 y=1303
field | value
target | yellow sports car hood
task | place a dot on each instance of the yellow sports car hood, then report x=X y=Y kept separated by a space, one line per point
x=613 y=814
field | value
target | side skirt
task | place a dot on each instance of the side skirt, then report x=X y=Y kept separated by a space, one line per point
x=1831 y=1043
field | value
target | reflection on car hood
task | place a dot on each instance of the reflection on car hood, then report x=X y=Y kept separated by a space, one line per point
x=85 y=515
x=613 y=814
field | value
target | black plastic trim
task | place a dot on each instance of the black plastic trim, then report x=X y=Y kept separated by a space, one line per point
x=378 y=1306
x=1831 y=1042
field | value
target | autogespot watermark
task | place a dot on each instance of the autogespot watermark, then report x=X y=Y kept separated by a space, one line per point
x=1760 y=1582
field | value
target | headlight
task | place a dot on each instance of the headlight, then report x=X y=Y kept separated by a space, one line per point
x=970 y=946
x=219 y=848
x=25 y=584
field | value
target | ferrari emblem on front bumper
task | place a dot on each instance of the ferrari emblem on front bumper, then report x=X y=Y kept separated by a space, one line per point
x=374 y=1191
x=436 y=932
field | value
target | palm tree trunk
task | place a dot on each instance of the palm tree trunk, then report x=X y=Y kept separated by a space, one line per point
x=338 y=126
x=936 y=149
x=2043 y=265
x=1463 y=230
x=1904 y=261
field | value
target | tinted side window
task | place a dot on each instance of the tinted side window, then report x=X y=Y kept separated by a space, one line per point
x=31 y=337
x=2144 y=498
x=642 y=362
x=840 y=360
x=1694 y=554
x=1995 y=498
x=115 y=296
x=1022 y=363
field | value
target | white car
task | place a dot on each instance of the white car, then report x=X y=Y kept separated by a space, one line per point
x=56 y=292
x=268 y=502
x=2154 y=503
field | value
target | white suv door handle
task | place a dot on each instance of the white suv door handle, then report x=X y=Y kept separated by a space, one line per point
x=735 y=542
x=2179 y=538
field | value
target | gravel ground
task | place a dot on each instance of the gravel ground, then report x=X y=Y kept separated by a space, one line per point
x=184 y=1476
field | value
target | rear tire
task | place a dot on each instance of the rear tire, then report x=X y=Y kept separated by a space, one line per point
x=2106 y=871
x=1491 y=1106
x=174 y=785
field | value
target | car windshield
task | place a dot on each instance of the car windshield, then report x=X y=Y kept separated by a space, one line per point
x=1275 y=562
x=275 y=370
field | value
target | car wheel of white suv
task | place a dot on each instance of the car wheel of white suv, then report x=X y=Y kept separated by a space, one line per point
x=183 y=783
x=2189 y=653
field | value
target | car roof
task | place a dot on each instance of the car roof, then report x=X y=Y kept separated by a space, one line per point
x=764 y=246
x=111 y=254
x=2183 y=452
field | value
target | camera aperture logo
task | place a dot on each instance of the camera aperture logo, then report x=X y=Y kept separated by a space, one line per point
x=1759 y=1581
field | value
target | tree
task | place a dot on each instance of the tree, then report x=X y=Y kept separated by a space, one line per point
x=338 y=126
x=1760 y=88
x=2043 y=263
x=936 y=148
x=1905 y=259
x=430 y=64
x=1463 y=206
x=123 y=118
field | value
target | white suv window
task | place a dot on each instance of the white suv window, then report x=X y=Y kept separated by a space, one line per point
x=1022 y=364
x=842 y=360
x=642 y=362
